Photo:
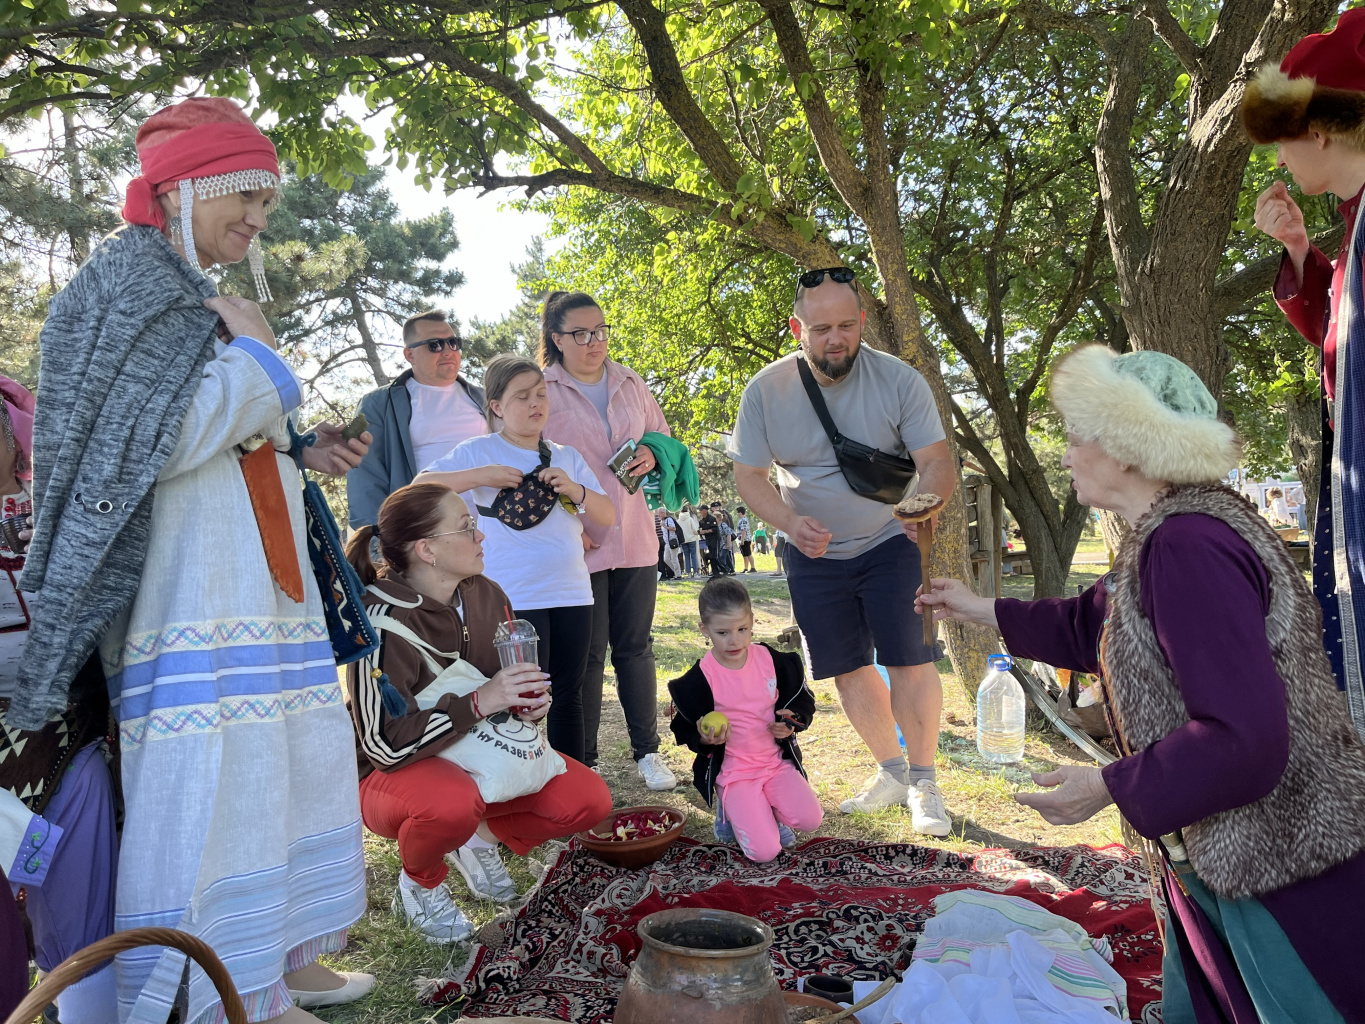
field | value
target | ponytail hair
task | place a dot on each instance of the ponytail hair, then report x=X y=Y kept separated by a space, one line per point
x=407 y=515
x=501 y=371
x=557 y=306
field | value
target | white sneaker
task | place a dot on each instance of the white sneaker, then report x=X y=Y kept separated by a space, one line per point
x=431 y=911
x=879 y=791
x=484 y=873
x=657 y=775
x=927 y=811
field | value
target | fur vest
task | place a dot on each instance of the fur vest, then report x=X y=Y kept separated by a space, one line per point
x=1314 y=818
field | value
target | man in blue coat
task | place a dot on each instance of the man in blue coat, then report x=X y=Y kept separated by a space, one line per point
x=417 y=418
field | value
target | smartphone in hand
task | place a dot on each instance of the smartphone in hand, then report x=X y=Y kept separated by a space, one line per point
x=624 y=456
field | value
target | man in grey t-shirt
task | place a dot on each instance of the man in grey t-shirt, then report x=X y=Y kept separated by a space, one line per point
x=852 y=567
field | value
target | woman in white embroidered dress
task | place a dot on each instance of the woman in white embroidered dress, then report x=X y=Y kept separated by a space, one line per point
x=242 y=823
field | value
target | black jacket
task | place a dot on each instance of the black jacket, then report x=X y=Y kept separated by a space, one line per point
x=692 y=698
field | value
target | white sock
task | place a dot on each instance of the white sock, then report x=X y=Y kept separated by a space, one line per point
x=92 y=1000
x=478 y=842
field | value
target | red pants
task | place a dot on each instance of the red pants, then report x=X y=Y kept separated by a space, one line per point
x=432 y=807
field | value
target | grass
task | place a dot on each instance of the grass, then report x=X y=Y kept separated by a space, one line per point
x=978 y=794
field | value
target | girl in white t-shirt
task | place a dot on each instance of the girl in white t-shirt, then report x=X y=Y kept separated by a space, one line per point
x=541 y=568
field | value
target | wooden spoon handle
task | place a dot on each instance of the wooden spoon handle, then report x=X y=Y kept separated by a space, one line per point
x=925 y=534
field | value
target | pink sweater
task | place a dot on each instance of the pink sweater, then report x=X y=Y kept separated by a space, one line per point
x=632 y=411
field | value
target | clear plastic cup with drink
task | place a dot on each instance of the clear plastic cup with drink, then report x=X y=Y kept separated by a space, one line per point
x=518 y=643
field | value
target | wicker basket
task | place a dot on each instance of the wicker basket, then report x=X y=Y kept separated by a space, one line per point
x=78 y=965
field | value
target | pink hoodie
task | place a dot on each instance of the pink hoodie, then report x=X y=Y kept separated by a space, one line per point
x=630 y=542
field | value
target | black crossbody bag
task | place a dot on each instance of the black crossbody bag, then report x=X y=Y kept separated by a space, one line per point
x=870 y=472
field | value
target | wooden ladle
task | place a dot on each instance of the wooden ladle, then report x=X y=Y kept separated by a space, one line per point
x=920 y=509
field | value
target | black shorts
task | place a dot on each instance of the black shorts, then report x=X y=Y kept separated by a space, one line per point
x=746 y=548
x=849 y=607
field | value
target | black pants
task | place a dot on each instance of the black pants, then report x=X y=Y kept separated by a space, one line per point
x=622 y=616
x=711 y=562
x=565 y=634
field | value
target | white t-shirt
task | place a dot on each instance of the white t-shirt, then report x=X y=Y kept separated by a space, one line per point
x=441 y=419
x=541 y=567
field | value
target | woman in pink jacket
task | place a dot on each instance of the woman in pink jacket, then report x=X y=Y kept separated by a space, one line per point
x=596 y=406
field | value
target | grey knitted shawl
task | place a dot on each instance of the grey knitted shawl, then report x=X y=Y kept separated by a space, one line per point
x=123 y=352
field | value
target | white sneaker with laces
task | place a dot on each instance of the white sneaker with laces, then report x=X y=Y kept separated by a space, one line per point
x=927 y=811
x=657 y=775
x=879 y=792
x=484 y=873
x=431 y=911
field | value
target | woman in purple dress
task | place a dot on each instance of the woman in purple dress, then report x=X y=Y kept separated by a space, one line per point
x=1240 y=763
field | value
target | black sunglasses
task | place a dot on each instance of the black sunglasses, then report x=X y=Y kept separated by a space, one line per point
x=434 y=345
x=812 y=278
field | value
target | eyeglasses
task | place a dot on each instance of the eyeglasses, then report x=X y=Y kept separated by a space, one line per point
x=451 y=533
x=435 y=345
x=812 y=278
x=602 y=333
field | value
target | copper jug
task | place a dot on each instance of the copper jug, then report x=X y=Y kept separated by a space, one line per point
x=702 y=967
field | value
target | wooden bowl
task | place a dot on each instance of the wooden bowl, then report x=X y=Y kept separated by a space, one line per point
x=632 y=853
x=802 y=999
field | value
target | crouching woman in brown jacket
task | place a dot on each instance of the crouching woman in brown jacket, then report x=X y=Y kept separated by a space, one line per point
x=430 y=583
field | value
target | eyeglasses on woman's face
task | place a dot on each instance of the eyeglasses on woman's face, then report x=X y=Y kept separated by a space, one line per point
x=586 y=337
x=470 y=529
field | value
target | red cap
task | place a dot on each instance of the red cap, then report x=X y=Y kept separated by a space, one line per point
x=198 y=138
x=1334 y=59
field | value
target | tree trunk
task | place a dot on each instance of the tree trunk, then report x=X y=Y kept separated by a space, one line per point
x=1051 y=566
x=367 y=341
x=1114 y=528
x=80 y=244
x=1304 y=418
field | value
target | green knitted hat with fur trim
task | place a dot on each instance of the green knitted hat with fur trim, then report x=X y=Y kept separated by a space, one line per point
x=1146 y=409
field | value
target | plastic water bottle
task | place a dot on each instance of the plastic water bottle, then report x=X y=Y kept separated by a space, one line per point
x=1000 y=713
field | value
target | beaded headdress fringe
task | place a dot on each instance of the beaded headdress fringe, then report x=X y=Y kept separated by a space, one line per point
x=222 y=185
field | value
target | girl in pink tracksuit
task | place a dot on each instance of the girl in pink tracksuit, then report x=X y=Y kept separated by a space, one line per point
x=752 y=761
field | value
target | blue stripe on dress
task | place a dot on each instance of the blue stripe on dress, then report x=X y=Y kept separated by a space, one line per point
x=276 y=369
x=209 y=678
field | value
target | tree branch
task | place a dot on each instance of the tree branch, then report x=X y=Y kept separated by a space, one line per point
x=1184 y=48
x=670 y=86
x=1259 y=275
x=810 y=91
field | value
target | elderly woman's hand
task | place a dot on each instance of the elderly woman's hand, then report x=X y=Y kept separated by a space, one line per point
x=1080 y=794
x=334 y=455
x=953 y=599
x=241 y=318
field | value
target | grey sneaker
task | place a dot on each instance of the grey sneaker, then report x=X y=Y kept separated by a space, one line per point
x=484 y=873
x=431 y=912
x=785 y=836
x=879 y=791
x=928 y=814
x=656 y=773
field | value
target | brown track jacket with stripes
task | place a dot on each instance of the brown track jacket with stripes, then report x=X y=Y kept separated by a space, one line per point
x=388 y=743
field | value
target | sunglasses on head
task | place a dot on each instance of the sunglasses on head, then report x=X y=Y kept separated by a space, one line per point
x=812 y=278
x=435 y=345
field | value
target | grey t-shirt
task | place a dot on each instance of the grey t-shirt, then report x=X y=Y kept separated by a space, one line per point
x=600 y=397
x=883 y=402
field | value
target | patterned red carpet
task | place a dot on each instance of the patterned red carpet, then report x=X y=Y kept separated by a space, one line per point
x=836 y=906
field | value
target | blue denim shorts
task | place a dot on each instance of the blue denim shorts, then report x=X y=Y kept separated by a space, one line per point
x=851 y=608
